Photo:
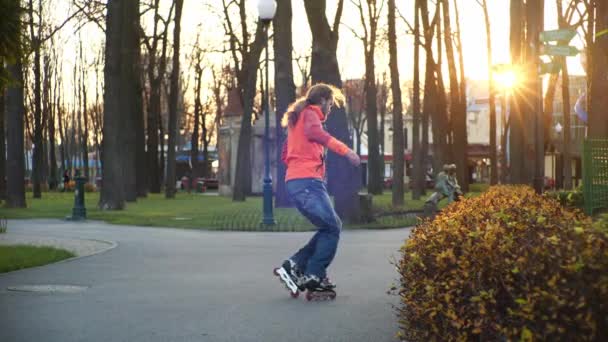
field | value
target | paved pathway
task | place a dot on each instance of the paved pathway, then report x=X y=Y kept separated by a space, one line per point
x=186 y=285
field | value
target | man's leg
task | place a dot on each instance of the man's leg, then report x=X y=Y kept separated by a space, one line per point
x=328 y=234
x=301 y=257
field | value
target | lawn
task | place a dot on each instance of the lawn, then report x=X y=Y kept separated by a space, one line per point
x=20 y=256
x=200 y=211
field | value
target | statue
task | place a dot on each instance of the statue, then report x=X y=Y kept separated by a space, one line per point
x=446 y=186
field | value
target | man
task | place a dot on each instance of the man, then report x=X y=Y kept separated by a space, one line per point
x=446 y=185
x=304 y=155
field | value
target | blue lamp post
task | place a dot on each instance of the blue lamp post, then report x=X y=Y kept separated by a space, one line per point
x=266 y=11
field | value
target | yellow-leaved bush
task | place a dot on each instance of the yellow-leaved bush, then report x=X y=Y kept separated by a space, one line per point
x=507 y=265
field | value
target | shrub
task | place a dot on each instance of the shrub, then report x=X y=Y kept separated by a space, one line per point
x=506 y=265
x=570 y=199
x=478 y=187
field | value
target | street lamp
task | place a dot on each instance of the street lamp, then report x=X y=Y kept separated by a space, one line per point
x=557 y=176
x=266 y=11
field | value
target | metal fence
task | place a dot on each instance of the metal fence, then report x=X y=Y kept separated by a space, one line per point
x=595 y=174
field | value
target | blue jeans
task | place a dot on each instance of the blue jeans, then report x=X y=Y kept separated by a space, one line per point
x=311 y=198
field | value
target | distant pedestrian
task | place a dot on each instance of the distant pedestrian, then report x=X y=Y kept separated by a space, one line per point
x=66 y=180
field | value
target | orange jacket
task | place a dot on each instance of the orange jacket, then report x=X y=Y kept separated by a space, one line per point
x=303 y=151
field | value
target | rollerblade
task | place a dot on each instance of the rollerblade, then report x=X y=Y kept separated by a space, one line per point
x=318 y=290
x=290 y=276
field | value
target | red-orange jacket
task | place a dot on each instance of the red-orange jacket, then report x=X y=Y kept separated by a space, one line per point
x=303 y=151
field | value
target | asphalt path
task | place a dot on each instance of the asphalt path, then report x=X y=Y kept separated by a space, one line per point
x=163 y=284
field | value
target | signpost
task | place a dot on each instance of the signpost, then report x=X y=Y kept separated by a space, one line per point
x=559 y=50
x=562 y=49
x=563 y=35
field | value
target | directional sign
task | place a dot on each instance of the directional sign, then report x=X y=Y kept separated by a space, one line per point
x=563 y=35
x=555 y=50
x=549 y=68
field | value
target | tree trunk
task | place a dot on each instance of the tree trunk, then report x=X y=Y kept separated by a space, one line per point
x=503 y=139
x=374 y=184
x=398 y=144
x=598 y=115
x=15 y=163
x=141 y=170
x=194 y=139
x=247 y=85
x=492 y=96
x=285 y=89
x=52 y=156
x=38 y=153
x=416 y=147
x=344 y=180
x=173 y=115
x=375 y=161
x=2 y=143
x=118 y=159
x=154 y=130
x=535 y=134
x=154 y=164
x=206 y=172
x=434 y=102
x=85 y=131
x=463 y=103
x=566 y=157
x=516 y=143
x=62 y=147
x=458 y=117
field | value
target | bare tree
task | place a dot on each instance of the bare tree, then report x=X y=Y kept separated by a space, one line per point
x=37 y=37
x=84 y=114
x=598 y=71
x=49 y=96
x=303 y=63
x=434 y=102
x=246 y=57
x=491 y=94
x=15 y=114
x=398 y=143
x=284 y=87
x=370 y=15
x=344 y=180
x=122 y=29
x=382 y=104
x=156 y=69
x=199 y=68
x=2 y=143
x=173 y=115
x=516 y=138
x=534 y=136
x=457 y=114
x=354 y=91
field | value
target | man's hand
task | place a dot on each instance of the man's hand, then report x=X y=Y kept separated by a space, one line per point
x=353 y=158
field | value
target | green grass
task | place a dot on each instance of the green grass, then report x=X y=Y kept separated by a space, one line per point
x=198 y=211
x=20 y=256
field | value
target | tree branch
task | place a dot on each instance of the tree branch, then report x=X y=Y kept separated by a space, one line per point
x=60 y=26
x=337 y=18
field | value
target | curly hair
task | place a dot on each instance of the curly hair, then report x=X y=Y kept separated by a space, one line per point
x=315 y=94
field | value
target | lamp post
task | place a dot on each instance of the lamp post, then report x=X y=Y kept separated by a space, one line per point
x=266 y=11
x=558 y=167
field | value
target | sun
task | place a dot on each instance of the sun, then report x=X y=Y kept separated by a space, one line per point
x=506 y=79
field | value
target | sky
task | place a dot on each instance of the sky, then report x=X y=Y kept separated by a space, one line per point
x=205 y=17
